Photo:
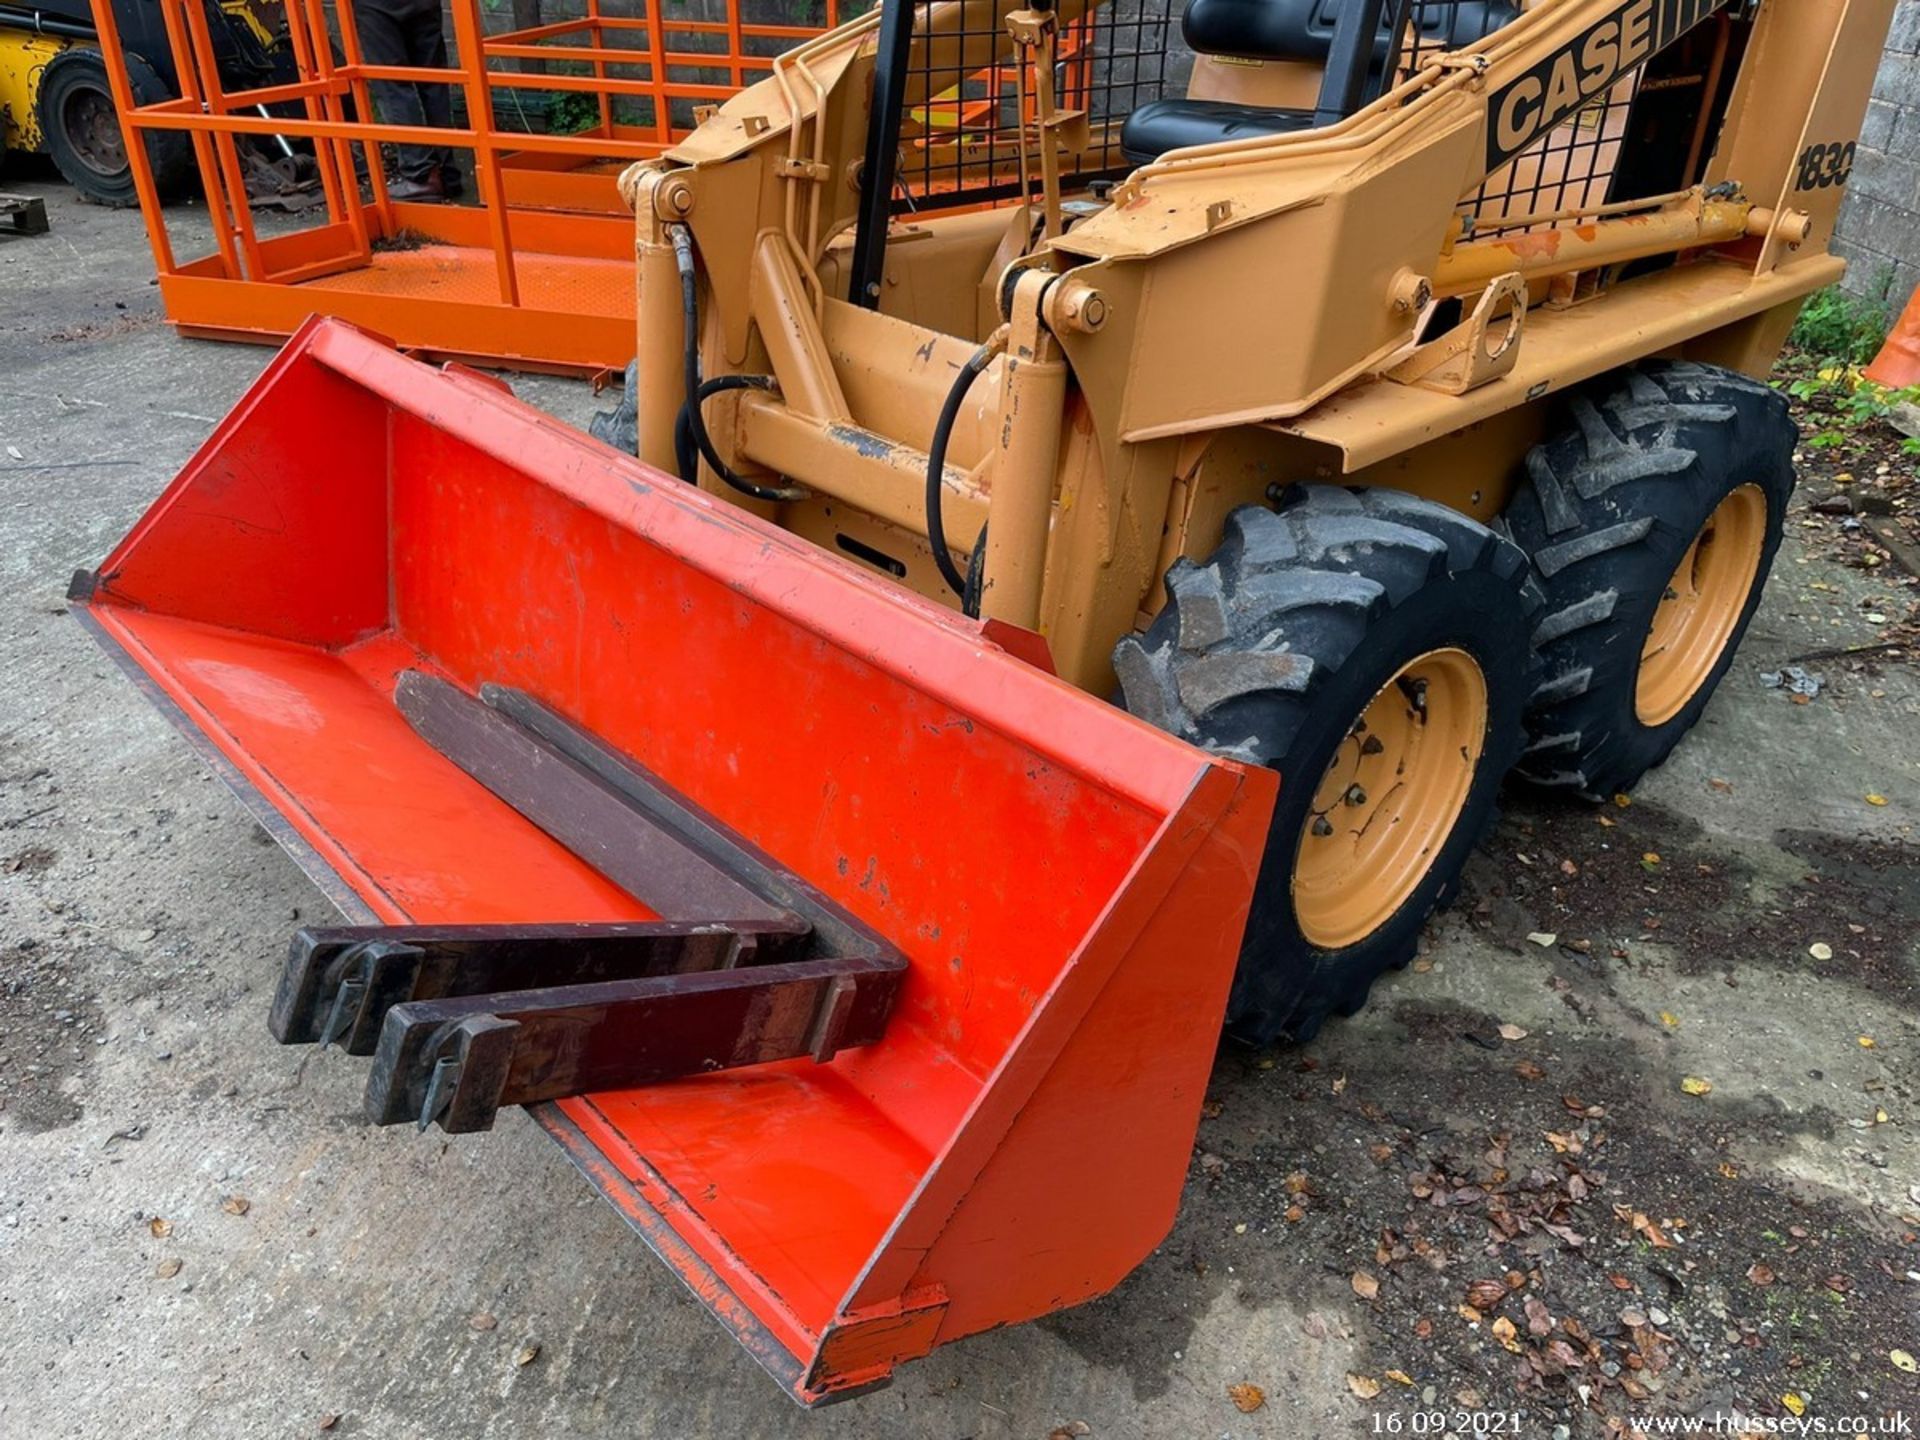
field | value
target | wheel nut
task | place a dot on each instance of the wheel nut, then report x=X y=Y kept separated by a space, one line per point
x=1356 y=795
x=1322 y=826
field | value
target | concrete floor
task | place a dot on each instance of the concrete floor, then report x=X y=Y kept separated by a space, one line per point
x=142 y=916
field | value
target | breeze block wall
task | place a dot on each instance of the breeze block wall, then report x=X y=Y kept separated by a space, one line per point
x=1879 y=230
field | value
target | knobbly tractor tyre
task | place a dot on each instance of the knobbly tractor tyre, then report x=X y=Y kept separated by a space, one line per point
x=1374 y=648
x=83 y=133
x=1652 y=520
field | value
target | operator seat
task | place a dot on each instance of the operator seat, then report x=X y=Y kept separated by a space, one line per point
x=1281 y=30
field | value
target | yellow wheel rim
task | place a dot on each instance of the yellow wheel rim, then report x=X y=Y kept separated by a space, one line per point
x=1390 y=798
x=1702 y=606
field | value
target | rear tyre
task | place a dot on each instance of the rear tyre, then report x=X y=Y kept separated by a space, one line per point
x=83 y=134
x=1373 y=647
x=1652 y=522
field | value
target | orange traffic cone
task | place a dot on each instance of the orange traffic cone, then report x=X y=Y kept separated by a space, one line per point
x=1897 y=366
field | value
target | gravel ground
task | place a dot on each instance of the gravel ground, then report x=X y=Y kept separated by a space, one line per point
x=1634 y=1137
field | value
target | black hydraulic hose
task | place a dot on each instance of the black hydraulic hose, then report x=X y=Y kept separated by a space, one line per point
x=937 y=466
x=686 y=458
x=696 y=426
x=976 y=578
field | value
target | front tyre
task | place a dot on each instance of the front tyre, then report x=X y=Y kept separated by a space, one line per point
x=1652 y=521
x=1374 y=648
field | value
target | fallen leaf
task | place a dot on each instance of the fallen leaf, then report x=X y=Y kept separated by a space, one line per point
x=1423 y=1329
x=236 y=1204
x=1621 y=799
x=167 y=1269
x=1656 y=1237
x=1620 y=1282
x=1527 y=1070
x=1670 y=1020
x=1727 y=1172
x=1486 y=1294
x=1794 y=1403
x=1072 y=1430
x=1246 y=1398
x=1820 y=950
x=329 y=1420
x=1876 y=799
x=1633 y=1319
x=1903 y=1361
x=1760 y=1274
x=1295 y=1215
x=159 y=1229
x=1539 y=1320
x=1694 y=1085
x=1507 y=1334
x=1364 y=1285
x=526 y=1355
x=1650 y=860
x=1512 y=1032
x=1866 y=1042
x=1399 y=1377
x=1545 y=939
x=481 y=1320
x=1365 y=1386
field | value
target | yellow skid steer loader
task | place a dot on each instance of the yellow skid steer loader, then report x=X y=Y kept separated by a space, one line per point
x=1117 y=493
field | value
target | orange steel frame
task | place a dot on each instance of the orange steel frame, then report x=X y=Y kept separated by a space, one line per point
x=538 y=275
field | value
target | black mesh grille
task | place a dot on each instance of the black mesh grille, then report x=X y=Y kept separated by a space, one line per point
x=959 y=139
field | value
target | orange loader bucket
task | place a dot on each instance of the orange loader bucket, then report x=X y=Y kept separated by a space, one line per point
x=1067 y=885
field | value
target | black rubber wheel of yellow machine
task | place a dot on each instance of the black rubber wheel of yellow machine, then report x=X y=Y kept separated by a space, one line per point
x=1374 y=648
x=83 y=134
x=1652 y=521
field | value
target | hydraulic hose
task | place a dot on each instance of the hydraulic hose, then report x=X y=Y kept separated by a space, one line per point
x=686 y=458
x=695 y=425
x=937 y=466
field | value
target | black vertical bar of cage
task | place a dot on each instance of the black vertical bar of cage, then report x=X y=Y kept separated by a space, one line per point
x=1399 y=14
x=1356 y=35
x=883 y=150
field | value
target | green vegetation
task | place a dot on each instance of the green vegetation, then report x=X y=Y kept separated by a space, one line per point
x=1839 y=328
x=1843 y=405
x=1836 y=334
x=571 y=111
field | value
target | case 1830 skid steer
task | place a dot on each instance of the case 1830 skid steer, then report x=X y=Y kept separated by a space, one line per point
x=1097 y=544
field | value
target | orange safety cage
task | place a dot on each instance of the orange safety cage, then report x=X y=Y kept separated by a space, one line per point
x=537 y=275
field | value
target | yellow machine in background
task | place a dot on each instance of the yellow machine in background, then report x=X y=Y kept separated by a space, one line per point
x=55 y=98
x=23 y=60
